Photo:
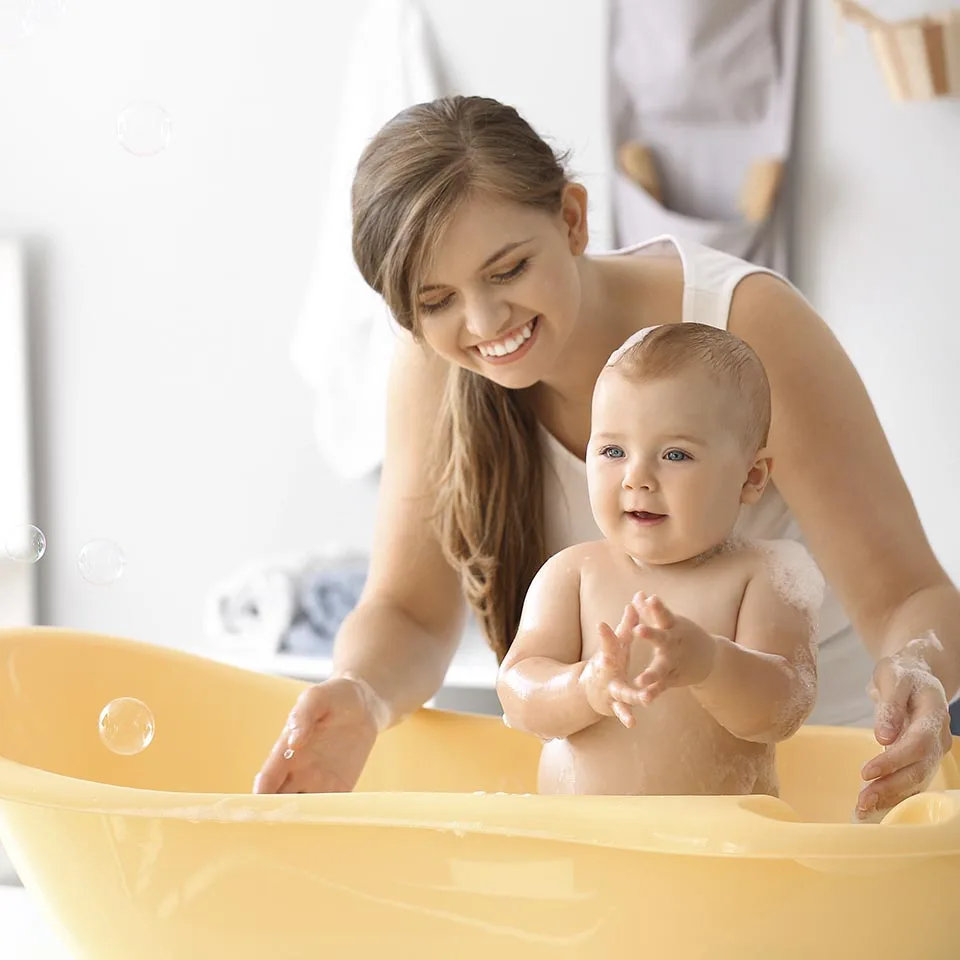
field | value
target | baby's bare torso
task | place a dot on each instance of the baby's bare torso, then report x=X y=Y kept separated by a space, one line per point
x=675 y=747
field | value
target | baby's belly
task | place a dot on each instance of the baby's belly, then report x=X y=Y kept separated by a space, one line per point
x=676 y=747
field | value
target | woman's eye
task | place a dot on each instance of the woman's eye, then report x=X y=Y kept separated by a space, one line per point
x=612 y=453
x=676 y=455
x=439 y=305
x=510 y=274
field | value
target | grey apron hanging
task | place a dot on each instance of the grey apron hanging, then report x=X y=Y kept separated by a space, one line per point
x=701 y=105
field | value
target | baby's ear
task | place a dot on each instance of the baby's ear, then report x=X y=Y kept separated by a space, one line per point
x=757 y=478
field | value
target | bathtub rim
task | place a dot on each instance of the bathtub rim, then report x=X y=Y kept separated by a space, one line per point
x=751 y=826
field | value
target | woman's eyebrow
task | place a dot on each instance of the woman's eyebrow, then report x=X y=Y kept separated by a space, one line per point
x=502 y=252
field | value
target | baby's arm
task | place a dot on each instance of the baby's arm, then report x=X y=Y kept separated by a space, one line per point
x=539 y=683
x=764 y=682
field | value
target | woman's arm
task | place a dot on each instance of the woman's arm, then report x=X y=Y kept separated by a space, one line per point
x=405 y=630
x=392 y=651
x=539 y=684
x=835 y=469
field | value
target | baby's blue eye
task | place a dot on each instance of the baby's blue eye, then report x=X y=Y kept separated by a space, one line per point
x=675 y=455
x=612 y=453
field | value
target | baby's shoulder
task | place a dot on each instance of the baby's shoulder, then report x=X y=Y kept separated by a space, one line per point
x=580 y=555
x=582 y=560
x=787 y=566
x=567 y=560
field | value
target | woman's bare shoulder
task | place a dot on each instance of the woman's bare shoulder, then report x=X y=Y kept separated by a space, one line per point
x=767 y=309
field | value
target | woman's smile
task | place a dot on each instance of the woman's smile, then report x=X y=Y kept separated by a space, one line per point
x=511 y=347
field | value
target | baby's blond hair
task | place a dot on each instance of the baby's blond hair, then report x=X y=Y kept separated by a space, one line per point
x=672 y=348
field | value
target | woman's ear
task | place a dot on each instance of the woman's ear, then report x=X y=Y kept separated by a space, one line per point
x=573 y=210
x=757 y=477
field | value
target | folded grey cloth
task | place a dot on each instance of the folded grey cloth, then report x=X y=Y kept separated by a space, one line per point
x=324 y=598
x=292 y=604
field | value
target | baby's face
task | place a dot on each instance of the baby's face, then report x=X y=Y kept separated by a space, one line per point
x=666 y=464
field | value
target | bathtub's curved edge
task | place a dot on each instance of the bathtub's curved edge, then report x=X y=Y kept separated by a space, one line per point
x=732 y=826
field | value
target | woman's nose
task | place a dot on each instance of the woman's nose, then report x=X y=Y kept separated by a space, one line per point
x=487 y=318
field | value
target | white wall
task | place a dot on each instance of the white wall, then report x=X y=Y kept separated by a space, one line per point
x=164 y=290
x=877 y=249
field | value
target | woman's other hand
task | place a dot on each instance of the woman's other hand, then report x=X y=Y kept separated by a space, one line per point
x=913 y=724
x=326 y=741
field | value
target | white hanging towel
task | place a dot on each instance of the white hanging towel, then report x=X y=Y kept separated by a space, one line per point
x=345 y=337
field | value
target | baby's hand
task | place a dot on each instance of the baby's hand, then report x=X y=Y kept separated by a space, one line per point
x=604 y=679
x=684 y=651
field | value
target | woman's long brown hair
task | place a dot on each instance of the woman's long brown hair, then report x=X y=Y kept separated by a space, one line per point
x=488 y=463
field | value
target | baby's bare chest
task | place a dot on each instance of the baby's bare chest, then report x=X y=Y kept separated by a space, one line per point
x=710 y=596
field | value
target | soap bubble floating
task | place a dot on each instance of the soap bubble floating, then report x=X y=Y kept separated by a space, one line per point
x=25 y=544
x=126 y=726
x=143 y=128
x=101 y=562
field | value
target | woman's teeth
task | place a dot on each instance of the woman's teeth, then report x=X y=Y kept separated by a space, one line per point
x=500 y=348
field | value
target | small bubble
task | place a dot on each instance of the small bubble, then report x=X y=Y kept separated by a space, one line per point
x=25 y=544
x=126 y=726
x=101 y=562
x=143 y=128
x=287 y=754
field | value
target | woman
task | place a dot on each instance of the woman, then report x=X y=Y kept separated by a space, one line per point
x=468 y=226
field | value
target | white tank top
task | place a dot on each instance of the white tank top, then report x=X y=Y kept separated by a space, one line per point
x=709 y=279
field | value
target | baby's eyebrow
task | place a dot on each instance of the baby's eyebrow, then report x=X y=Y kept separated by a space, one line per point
x=684 y=438
x=493 y=258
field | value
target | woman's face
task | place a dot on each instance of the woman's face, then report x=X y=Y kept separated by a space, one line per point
x=503 y=292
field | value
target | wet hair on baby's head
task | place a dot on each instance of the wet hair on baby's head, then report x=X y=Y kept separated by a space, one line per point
x=673 y=348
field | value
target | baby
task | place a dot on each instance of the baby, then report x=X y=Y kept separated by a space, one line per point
x=711 y=660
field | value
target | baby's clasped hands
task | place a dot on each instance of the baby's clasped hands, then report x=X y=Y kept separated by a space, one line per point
x=684 y=652
x=684 y=655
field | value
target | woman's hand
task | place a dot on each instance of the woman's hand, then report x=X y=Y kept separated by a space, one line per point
x=912 y=723
x=326 y=741
x=604 y=679
x=684 y=652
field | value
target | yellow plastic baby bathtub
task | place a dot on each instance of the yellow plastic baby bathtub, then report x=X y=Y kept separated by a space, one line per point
x=442 y=852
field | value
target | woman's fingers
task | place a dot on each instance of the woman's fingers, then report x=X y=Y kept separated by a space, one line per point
x=921 y=738
x=907 y=766
x=275 y=768
x=308 y=710
x=890 y=689
x=311 y=707
x=887 y=792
